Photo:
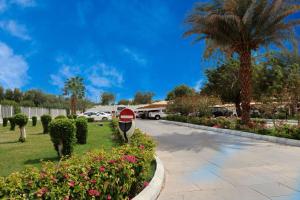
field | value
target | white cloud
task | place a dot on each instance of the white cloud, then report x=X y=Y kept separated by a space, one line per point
x=13 y=68
x=15 y=29
x=198 y=85
x=135 y=56
x=97 y=78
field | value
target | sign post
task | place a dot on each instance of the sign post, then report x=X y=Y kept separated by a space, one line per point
x=126 y=123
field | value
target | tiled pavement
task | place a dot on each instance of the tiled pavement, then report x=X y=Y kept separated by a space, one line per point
x=204 y=165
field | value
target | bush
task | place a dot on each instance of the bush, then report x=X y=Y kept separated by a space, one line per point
x=46 y=119
x=90 y=119
x=12 y=123
x=5 y=120
x=72 y=116
x=117 y=174
x=81 y=130
x=34 y=120
x=60 y=117
x=62 y=136
x=21 y=120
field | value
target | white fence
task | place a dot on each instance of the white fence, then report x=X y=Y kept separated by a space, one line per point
x=8 y=111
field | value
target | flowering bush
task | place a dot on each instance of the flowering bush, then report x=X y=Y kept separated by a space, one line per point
x=117 y=174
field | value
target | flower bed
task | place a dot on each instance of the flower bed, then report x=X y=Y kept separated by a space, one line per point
x=118 y=174
x=256 y=126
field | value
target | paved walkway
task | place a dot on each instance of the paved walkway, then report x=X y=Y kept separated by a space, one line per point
x=204 y=165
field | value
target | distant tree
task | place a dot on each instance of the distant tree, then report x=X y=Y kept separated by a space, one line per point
x=224 y=82
x=74 y=88
x=124 y=102
x=18 y=95
x=37 y=96
x=241 y=27
x=9 y=95
x=1 y=93
x=143 y=98
x=107 y=98
x=180 y=91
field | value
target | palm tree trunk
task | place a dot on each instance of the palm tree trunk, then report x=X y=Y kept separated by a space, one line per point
x=246 y=85
x=73 y=105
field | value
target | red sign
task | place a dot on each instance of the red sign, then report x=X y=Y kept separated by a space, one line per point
x=126 y=115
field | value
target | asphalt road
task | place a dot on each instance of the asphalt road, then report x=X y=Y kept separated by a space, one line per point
x=204 y=165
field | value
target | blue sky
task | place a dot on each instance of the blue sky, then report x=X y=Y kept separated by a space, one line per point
x=120 y=46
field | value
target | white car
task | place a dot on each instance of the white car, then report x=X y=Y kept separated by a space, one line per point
x=98 y=116
x=157 y=114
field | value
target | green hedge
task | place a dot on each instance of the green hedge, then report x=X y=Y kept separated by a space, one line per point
x=117 y=174
x=81 y=130
x=46 y=119
x=5 y=120
x=90 y=119
x=34 y=120
x=62 y=133
x=12 y=123
x=60 y=117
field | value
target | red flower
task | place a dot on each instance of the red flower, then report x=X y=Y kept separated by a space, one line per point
x=42 y=191
x=102 y=169
x=130 y=158
x=145 y=184
x=111 y=161
x=94 y=193
x=142 y=147
x=71 y=183
x=93 y=181
x=108 y=197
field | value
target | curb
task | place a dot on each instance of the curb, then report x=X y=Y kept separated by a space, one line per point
x=152 y=191
x=273 y=139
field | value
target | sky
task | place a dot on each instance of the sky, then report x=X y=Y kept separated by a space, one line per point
x=118 y=46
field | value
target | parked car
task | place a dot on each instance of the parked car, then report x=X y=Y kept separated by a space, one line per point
x=157 y=114
x=221 y=112
x=98 y=116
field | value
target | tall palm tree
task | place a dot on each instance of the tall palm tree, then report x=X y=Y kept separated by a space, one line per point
x=242 y=26
x=75 y=88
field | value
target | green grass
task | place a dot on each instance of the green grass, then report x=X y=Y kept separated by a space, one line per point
x=14 y=156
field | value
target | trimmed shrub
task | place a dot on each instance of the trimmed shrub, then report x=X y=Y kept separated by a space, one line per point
x=81 y=130
x=117 y=174
x=60 y=117
x=72 y=116
x=5 y=120
x=46 y=119
x=12 y=123
x=21 y=120
x=90 y=119
x=34 y=120
x=62 y=136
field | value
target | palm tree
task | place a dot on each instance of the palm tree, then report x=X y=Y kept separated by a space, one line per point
x=242 y=26
x=75 y=88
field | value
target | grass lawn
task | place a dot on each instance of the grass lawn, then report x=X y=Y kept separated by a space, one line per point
x=14 y=156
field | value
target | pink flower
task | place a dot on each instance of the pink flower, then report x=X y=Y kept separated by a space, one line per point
x=71 y=183
x=42 y=191
x=108 y=197
x=102 y=169
x=145 y=184
x=129 y=158
x=93 y=181
x=94 y=193
x=111 y=161
x=142 y=147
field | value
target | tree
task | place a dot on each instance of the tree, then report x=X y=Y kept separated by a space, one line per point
x=107 y=98
x=224 y=82
x=180 y=91
x=9 y=94
x=17 y=95
x=143 y=98
x=74 y=88
x=37 y=96
x=1 y=93
x=124 y=102
x=242 y=26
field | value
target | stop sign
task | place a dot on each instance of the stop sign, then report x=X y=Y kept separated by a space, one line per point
x=126 y=115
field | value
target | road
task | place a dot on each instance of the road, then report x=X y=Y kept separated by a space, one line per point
x=204 y=165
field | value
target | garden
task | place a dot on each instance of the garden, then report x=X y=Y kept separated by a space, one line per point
x=65 y=158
